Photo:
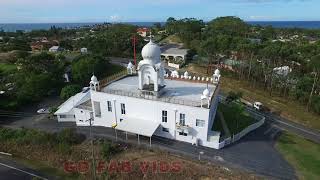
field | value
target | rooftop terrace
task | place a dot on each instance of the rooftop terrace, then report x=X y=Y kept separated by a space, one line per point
x=186 y=92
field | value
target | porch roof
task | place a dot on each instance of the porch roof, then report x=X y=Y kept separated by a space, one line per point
x=138 y=126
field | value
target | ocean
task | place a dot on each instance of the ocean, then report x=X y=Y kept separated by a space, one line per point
x=46 y=26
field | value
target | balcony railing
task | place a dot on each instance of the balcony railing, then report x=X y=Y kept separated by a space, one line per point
x=182 y=127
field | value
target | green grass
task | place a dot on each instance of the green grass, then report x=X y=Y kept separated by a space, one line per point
x=302 y=154
x=217 y=125
x=7 y=68
x=172 y=39
x=236 y=120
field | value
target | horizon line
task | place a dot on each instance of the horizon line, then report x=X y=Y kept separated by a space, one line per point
x=101 y=22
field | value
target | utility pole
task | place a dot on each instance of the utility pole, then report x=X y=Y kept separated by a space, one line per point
x=134 y=40
x=92 y=148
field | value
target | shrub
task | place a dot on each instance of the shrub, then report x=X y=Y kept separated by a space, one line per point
x=31 y=136
x=69 y=91
x=107 y=149
x=70 y=136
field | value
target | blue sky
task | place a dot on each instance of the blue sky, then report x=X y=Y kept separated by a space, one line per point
x=42 y=11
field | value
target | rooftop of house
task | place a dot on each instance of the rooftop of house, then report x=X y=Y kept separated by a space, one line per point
x=175 y=51
x=85 y=105
x=185 y=92
x=55 y=47
x=73 y=101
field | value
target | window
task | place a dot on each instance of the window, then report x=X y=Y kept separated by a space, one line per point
x=123 y=108
x=164 y=116
x=97 y=109
x=182 y=119
x=183 y=133
x=200 y=123
x=165 y=129
x=109 y=106
x=63 y=116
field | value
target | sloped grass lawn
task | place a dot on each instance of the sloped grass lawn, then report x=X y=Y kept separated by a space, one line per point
x=236 y=118
x=302 y=154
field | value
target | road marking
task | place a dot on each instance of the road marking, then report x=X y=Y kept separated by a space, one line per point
x=280 y=121
x=268 y=130
x=275 y=133
x=297 y=127
x=31 y=174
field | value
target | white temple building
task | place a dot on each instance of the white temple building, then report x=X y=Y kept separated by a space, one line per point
x=148 y=102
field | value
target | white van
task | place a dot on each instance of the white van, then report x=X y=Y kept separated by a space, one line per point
x=258 y=106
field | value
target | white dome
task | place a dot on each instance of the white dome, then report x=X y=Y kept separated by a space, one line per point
x=174 y=73
x=152 y=52
x=217 y=72
x=186 y=74
x=206 y=92
x=130 y=65
x=94 y=78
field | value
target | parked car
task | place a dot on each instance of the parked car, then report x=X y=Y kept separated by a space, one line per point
x=257 y=105
x=43 y=111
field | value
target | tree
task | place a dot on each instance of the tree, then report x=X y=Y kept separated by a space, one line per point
x=66 y=44
x=40 y=75
x=69 y=90
x=234 y=96
x=315 y=66
x=85 y=66
x=232 y=26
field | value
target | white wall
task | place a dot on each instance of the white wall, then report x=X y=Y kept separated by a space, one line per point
x=69 y=117
x=82 y=117
x=152 y=111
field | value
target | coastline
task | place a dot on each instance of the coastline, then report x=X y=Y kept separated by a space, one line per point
x=12 y=27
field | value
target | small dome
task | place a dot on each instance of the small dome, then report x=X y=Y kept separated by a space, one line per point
x=130 y=65
x=175 y=73
x=186 y=74
x=151 y=51
x=94 y=78
x=217 y=72
x=206 y=92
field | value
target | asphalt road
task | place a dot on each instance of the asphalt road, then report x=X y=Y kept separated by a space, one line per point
x=290 y=126
x=10 y=170
x=284 y=124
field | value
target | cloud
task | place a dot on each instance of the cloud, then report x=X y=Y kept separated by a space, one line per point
x=115 y=18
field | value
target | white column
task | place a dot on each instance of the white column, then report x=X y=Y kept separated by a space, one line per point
x=155 y=80
x=140 y=80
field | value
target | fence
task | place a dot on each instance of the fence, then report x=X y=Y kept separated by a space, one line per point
x=245 y=131
x=172 y=100
x=112 y=78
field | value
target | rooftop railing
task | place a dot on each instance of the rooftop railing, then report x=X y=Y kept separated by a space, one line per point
x=150 y=95
x=147 y=96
